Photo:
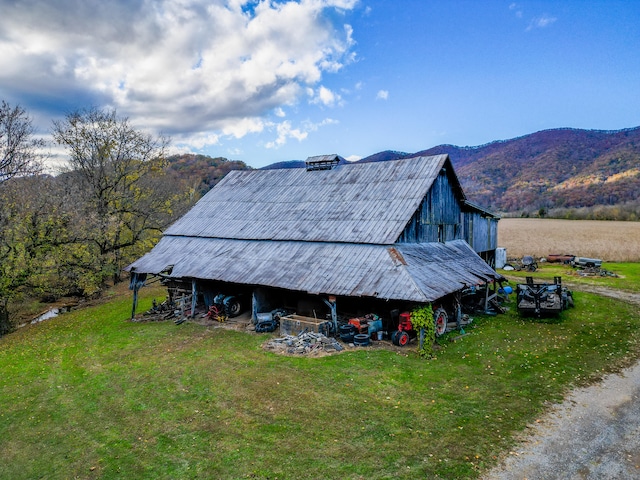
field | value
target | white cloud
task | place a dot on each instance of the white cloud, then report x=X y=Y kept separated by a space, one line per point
x=198 y=140
x=285 y=131
x=324 y=96
x=240 y=128
x=185 y=67
x=382 y=95
x=541 y=22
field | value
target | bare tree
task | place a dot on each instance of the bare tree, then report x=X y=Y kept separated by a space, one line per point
x=20 y=153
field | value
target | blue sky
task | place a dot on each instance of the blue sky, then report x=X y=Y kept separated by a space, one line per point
x=270 y=81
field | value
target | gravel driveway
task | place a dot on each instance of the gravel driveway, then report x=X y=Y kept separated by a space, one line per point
x=593 y=434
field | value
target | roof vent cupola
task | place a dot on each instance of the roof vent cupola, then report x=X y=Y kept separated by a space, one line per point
x=322 y=162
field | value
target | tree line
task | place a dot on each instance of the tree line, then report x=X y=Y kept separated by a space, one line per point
x=624 y=212
x=71 y=234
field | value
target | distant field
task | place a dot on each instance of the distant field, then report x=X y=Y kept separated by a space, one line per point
x=610 y=241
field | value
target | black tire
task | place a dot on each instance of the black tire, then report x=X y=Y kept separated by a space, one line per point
x=394 y=337
x=233 y=306
x=266 y=327
x=361 y=340
x=402 y=339
x=346 y=337
x=440 y=318
x=347 y=332
x=347 y=329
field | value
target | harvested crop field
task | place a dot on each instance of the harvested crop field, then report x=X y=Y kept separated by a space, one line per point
x=610 y=241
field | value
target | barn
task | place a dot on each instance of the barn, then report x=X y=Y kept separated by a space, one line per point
x=329 y=238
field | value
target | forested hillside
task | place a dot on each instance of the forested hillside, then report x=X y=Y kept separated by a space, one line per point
x=562 y=170
x=565 y=172
x=202 y=172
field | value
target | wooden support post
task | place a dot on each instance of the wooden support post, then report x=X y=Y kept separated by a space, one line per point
x=458 y=309
x=136 y=283
x=331 y=303
x=194 y=297
x=135 y=301
x=486 y=298
x=254 y=307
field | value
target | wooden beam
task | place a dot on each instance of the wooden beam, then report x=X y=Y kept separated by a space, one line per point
x=194 y=297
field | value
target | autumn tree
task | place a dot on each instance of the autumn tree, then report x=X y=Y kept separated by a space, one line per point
x=124 y=196
x=20 y=155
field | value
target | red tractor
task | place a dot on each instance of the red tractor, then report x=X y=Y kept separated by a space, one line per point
x=406 y=332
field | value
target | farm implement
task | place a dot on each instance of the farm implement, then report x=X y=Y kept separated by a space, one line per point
x=543 y=299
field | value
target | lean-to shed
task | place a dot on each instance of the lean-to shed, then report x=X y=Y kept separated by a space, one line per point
x=394 y=230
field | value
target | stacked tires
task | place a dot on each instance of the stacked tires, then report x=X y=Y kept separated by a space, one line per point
x=347 y=332
x=361 y=340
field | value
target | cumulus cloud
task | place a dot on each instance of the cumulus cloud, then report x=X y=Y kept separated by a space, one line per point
x=382 y=95
x=285 y=131
x=324 y=96
x=196 y=69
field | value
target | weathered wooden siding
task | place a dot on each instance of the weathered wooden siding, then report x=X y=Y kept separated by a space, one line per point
x=438 y=219
x=480 y=231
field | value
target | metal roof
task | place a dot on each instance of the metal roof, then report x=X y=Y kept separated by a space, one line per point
x=414 y=272
x=358 y=203
x=478 y=209
x=323 y=158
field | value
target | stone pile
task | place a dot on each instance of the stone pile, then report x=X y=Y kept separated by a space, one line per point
x=305 y=343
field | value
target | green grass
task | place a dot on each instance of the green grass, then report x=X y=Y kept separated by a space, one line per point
x=91 y=395
x=628 y=278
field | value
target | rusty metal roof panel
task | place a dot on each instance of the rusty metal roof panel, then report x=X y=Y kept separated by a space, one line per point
x=356 y=203
x=413 y=272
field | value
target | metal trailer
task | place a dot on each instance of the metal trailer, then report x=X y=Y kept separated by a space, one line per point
x=543 y=299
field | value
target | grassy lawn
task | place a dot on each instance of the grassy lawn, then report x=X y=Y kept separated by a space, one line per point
x=91 y=395
x=628 y=275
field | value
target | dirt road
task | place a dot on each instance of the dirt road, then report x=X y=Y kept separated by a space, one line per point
x=593 y=434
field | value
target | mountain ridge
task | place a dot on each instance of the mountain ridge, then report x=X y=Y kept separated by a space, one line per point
x=554 y=169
